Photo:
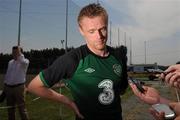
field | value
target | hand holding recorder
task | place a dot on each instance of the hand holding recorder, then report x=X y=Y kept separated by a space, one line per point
x=172 y=76
x=160 y=109
x=162 y=112
x=147 y=94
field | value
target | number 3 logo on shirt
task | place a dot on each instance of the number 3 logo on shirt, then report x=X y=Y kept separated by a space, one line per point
x=107 y=96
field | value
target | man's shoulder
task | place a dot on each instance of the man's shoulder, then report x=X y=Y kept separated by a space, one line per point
x=75 y=55
x=11 y=61
x=81 y=48
x=79 y=51
x=120 y=49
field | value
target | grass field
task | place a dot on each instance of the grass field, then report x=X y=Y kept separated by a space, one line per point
x=42 y=109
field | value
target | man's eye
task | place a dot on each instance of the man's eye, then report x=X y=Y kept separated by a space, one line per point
x=91 y=31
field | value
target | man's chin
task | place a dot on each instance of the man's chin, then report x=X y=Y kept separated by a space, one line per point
x=101 y=47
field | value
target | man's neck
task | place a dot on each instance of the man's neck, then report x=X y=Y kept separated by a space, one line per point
x=102 y=53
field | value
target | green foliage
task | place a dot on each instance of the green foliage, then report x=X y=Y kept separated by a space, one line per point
x=39 y=59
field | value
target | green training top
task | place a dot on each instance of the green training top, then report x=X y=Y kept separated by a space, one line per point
x=95 y=82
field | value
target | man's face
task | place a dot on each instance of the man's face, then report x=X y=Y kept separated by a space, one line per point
x=94 y=30
x=15 y=53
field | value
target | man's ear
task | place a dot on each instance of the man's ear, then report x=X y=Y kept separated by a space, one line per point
x=81 y=31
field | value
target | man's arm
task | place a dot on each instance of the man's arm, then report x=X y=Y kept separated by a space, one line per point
x=37 y=87
x=21 y=57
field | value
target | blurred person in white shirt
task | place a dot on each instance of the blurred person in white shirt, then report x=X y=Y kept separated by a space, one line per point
x=14 y=84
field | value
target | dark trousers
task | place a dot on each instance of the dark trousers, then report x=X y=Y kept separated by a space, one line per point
x=15 y=98
x=2 y=96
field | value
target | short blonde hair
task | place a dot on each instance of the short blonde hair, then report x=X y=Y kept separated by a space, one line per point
x=92 y=10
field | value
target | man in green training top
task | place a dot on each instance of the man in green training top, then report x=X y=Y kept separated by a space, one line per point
x=95 y=73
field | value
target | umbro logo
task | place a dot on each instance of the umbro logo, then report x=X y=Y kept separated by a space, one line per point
x=89 y=70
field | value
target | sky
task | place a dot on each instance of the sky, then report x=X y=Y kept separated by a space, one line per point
x=149 y=28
